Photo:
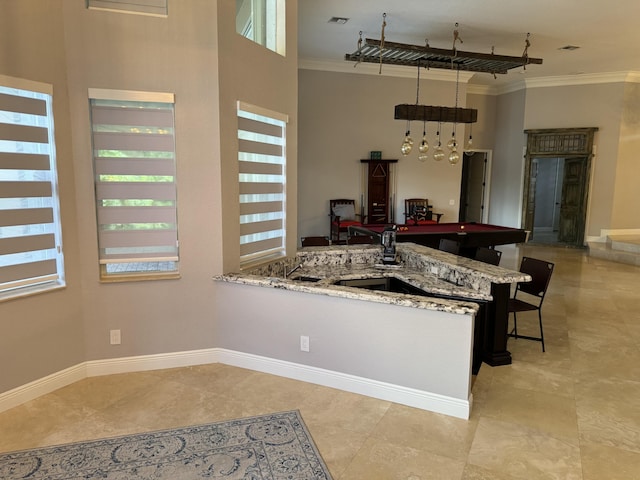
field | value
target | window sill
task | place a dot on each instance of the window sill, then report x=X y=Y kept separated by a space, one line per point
x=259 y=262
x=30 y=291
x=139 y=277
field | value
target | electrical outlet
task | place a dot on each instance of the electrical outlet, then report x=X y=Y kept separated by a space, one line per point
x=304 y=343
x=114 y=337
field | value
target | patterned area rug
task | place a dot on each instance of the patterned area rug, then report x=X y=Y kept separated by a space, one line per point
x=269 y=447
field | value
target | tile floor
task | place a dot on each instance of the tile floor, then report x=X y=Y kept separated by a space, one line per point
x=568 y=414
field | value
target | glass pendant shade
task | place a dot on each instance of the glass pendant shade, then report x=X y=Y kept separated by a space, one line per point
x=424 y=145
x=452 y=143
x=454 y=156
x=438 y=154
x=407 y=146
x=469 y=146
x=407 y=143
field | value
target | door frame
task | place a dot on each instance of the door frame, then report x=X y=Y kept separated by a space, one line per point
x=486 y=191
x=559 y=143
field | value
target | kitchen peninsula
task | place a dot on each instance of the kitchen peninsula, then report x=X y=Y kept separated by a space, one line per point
x=402 y=332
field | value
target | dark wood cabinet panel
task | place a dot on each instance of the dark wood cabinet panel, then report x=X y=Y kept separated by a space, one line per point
x=378 y=193
x=378 y=190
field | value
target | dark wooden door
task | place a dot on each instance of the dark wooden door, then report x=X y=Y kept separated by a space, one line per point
x=378 y=193
x=573 y=201
x=472 y=190
x=530 y=211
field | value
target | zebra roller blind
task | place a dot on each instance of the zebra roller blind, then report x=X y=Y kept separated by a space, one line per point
x=262 y=162
x=135 y=184
x=30 y=234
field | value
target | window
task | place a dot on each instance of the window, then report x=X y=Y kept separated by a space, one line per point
x=143 y=7
x=262 y=21
x=262 y=161
x=135 y=183
x=30 y=235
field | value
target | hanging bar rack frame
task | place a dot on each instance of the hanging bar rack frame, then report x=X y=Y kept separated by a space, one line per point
x=402 y=54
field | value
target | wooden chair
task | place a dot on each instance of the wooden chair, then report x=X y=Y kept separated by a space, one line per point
x=315 y=241
x=447 y=245
x=342 y=213
x=540 y=272
x=417 y=211
x=488 y=255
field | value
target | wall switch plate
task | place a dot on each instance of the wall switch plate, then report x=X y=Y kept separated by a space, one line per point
x=452 y=202
x=114 y=337
x=304 y=343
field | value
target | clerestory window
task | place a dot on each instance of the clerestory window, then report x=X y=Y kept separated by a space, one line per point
x=262 y=21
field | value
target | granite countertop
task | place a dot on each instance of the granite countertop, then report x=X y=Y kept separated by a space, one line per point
x=327 y=287
x=318 y=269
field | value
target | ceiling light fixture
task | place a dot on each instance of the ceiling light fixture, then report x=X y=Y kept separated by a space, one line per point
x=428 y=113
x=390 y=53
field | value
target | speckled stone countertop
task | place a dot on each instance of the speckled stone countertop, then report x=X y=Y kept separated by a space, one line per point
x=317 y=270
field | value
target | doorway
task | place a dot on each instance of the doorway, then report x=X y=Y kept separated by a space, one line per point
x=474 y=187
x=546 y=179
x=557 y=169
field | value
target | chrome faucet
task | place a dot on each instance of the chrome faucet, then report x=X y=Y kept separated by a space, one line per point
x=286 y=274
x=389 y=244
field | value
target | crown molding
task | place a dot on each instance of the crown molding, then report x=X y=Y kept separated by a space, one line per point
x=555 y=81
x=478 y=89
x=365 y=68
x=474 y=89
x=583 y=79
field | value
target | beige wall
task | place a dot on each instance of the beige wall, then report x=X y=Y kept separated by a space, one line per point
x=597 y=105
x=177 y=55
x=43 y=333
x=196 y=54
x=344 y=116
x=483 y=131
x=266 y=79
x=505 y=203
x=625 y=211
x=208 y=68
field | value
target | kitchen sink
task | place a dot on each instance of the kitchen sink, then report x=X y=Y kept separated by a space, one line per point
x=386 y=284
x=305 y=278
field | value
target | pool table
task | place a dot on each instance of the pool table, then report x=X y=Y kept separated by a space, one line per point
x=470 y=235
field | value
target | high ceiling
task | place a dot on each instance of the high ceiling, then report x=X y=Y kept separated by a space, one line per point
x=606 y=32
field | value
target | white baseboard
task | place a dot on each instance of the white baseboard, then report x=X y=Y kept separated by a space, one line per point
x=604 y=233
x=94 y=368
x=144 y=363
x=364 y=386
x=42 y=386
x=594 y=239
x=328 y=378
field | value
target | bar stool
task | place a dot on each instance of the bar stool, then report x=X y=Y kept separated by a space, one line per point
x=540 y=272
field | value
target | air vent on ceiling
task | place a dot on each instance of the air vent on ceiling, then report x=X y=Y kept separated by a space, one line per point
x=338 y=20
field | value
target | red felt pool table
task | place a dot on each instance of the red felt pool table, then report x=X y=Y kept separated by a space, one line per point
x=470 y=235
